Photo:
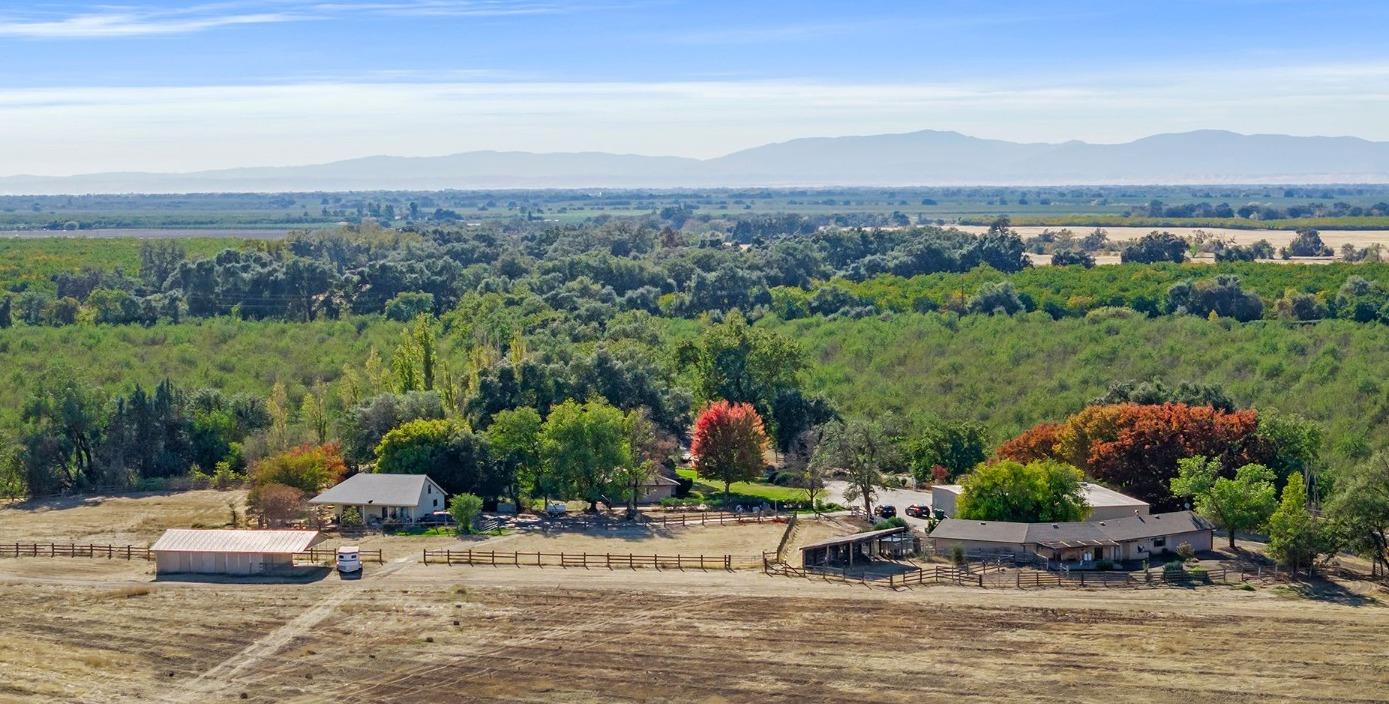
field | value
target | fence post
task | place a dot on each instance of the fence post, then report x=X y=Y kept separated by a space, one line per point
x=728 y=562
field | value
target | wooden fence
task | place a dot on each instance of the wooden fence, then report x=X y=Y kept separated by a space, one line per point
x=588 y=560
x=110 y=552
x=331 y=555
x=1027 y=579
x=711 y=518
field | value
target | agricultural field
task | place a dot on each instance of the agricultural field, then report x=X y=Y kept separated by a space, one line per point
x=410 y=632
x=30 y=262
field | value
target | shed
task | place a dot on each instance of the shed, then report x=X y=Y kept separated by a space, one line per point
x=383 y=498
x=861 y=546
x=241 y=552
x=658 y=487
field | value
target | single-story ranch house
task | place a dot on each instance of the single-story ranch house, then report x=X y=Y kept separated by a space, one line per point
x=1104 y=503
x=380 y=498
x=1079 y=544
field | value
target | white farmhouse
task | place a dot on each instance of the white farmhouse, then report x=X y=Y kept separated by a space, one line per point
x=382 y=498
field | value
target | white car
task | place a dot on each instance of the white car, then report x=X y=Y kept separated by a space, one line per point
x=349 y=560
x=556 y=508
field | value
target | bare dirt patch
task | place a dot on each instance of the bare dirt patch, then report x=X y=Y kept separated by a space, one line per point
x=746 y=540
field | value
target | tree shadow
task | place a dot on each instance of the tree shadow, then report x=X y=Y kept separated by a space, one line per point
x=1328 y=591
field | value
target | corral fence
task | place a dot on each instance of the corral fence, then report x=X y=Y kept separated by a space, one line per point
x=1026 y=579
x=110 y=552
x=588 y=560
x=995 y=575
x=331 y=554
x=714 y=518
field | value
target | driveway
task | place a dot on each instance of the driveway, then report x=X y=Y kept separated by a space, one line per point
x=901 y=498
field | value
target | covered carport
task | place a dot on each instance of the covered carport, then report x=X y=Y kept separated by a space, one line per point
x=846 y=550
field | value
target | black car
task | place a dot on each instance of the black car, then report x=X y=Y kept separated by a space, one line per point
x=918 y=511
x=886 y=511
x=438 y=518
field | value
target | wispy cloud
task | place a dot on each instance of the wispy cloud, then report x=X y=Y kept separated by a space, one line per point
x=99 y=21
x=127 y=22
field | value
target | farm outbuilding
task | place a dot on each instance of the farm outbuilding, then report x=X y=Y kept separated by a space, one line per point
x=238 y=552
x=1104 y=503
x=859 y=548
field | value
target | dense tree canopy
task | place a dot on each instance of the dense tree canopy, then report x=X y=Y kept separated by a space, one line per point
x=1039 y=491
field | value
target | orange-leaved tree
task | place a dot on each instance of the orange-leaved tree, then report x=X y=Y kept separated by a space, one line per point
x=728 y=443
x=1135 y=447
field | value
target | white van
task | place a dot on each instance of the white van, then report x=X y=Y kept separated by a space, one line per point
x=349 y=559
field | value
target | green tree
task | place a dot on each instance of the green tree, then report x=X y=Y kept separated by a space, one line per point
x=447 y=450
x=957 y=446
x=740 y=363
x=1040 y=491
x=465 y=508
x=1359 y=510
x=582 y=446
x=863 y=449
x=649 y=449
x=63 y=424
x=1295 y=538
x=1242 y=503
x=514 y=439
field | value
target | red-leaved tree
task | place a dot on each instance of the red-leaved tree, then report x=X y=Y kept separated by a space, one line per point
x=1134 y=448
x=728 y=443
x=1035 y=443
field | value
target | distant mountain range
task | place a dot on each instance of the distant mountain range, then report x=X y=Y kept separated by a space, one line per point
x=925 y=158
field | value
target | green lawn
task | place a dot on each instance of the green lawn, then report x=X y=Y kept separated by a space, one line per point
x=713 y=489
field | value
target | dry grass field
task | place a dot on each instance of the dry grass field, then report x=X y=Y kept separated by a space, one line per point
x=129 y=519
x=93 y=630
x=414 y=633
x=1279 y=238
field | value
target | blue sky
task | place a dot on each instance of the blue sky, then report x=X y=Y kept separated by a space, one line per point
x=182 y=86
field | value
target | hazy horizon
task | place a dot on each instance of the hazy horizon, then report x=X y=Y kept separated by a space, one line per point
x=165 y=86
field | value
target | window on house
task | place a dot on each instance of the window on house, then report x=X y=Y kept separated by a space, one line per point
x=1159 y=542
x=436 y=503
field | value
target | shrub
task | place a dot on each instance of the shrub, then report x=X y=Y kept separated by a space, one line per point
x=465 y=508
x=894 y=522
x=308 y=468
x=1185 y=551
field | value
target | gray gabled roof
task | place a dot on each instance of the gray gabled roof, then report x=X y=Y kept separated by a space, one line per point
x=1077 y=534
x=366 y=489
x=987 y=531
x=1157 y=524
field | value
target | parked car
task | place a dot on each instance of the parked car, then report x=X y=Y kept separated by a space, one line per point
x=918 y=511
x=438 y=518
x=886 y=511
x=556 y=508
x=349 y=559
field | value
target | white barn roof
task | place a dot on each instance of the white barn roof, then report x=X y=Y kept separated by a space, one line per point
x=367 y=489
x=1095 y=495
x=255 y=541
